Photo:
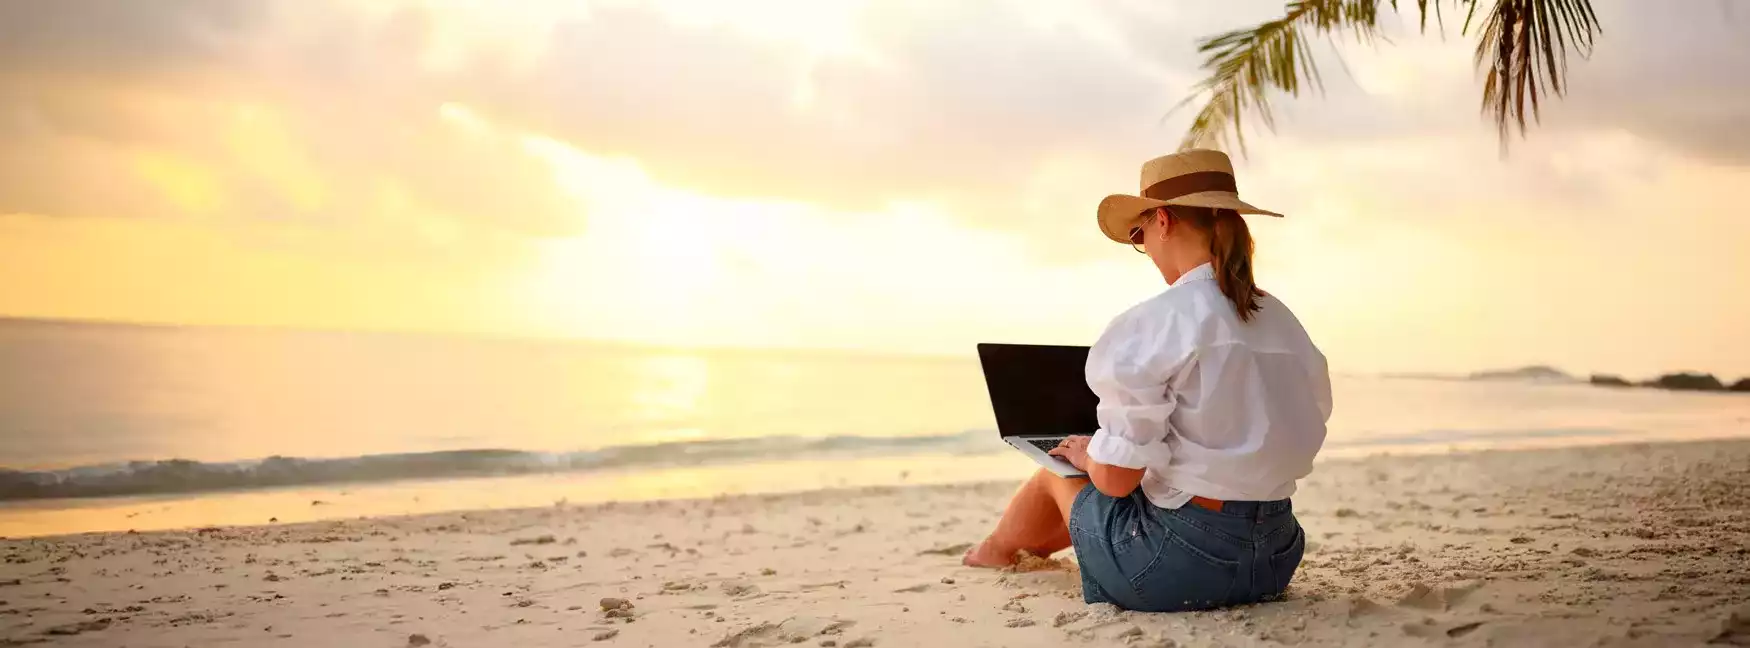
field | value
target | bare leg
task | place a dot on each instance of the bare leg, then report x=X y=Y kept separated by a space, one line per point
x=1037 y=520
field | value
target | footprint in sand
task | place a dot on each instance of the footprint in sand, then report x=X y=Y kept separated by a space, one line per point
x=1735 y=629
x=790 y=631
x=738 y=588
x=1360 y=606
x=1443 y=597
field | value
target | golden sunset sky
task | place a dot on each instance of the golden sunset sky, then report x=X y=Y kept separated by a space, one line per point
x=891 y=175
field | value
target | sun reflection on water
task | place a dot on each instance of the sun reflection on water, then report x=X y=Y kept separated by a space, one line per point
x=669 y=392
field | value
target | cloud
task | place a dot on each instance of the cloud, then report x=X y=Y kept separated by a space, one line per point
x=79 y=37
x=1678 y=72
x=208 y=109
x=908 y=101
x=780 y=169
x=967 y=97
x=1010 y=115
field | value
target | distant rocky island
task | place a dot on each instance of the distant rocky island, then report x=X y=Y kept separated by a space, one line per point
x=1682 y=381
x=1685 y=381
x=1537 y=373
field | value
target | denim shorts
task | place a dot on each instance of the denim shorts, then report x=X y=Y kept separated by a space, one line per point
x=1141 y=557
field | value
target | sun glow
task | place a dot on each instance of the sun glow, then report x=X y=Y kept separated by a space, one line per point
x=666 y=265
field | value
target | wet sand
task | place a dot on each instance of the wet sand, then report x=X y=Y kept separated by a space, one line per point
x=1627 y=545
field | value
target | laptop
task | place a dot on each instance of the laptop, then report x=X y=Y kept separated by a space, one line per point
x=1040 y=396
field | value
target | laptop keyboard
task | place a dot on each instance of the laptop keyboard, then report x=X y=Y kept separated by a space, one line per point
x=1044 y=444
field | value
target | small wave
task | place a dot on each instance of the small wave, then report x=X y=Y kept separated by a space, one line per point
x=187 y=476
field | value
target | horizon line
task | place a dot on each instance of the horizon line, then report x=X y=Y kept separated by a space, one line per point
x=488 y=336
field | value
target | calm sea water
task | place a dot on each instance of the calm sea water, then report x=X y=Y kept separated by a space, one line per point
x=109 y=427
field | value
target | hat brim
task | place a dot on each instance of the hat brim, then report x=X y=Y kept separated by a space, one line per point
x=1119 y=212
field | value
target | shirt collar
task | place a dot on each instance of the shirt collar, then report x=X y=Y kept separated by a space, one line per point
x=1198 y=273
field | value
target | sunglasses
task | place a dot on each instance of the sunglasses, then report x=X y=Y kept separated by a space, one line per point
x=1136 y=233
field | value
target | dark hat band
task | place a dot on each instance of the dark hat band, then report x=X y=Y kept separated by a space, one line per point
x=1190 y=183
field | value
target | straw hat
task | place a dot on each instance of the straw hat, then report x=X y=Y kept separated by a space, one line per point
x=1194 y=178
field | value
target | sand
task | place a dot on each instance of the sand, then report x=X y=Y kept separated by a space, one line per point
x=1631 y=545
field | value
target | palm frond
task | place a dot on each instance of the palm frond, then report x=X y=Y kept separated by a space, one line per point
x=1522 y=43
x=1246 y=65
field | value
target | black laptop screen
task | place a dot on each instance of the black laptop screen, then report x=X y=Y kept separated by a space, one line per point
x=1039 y=390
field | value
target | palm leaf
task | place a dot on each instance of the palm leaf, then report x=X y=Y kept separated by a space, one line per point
x=1523 y=44
x=1246 y=65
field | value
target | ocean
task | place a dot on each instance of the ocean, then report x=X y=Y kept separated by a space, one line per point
x=111 y=427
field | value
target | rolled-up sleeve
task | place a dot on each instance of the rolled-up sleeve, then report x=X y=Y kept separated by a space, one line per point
x=1131 y=371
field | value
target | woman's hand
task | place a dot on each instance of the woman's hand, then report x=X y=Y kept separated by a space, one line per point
x=1113 y=481
x=1073 y=449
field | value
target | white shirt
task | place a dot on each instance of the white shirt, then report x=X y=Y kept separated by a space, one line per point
x=1207 y=404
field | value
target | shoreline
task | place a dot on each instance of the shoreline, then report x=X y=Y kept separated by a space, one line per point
x=1638 y=544
x=294 y=504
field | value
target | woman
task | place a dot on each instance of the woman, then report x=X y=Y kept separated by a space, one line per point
x=1213 y=402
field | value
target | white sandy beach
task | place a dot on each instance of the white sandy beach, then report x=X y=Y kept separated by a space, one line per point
x=1627 y=545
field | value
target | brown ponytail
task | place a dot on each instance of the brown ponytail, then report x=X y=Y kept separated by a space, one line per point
x=1230 y=243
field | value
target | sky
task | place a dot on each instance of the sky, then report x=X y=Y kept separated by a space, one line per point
x=900 y=175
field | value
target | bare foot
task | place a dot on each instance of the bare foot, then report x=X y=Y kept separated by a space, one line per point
x=984 y=555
